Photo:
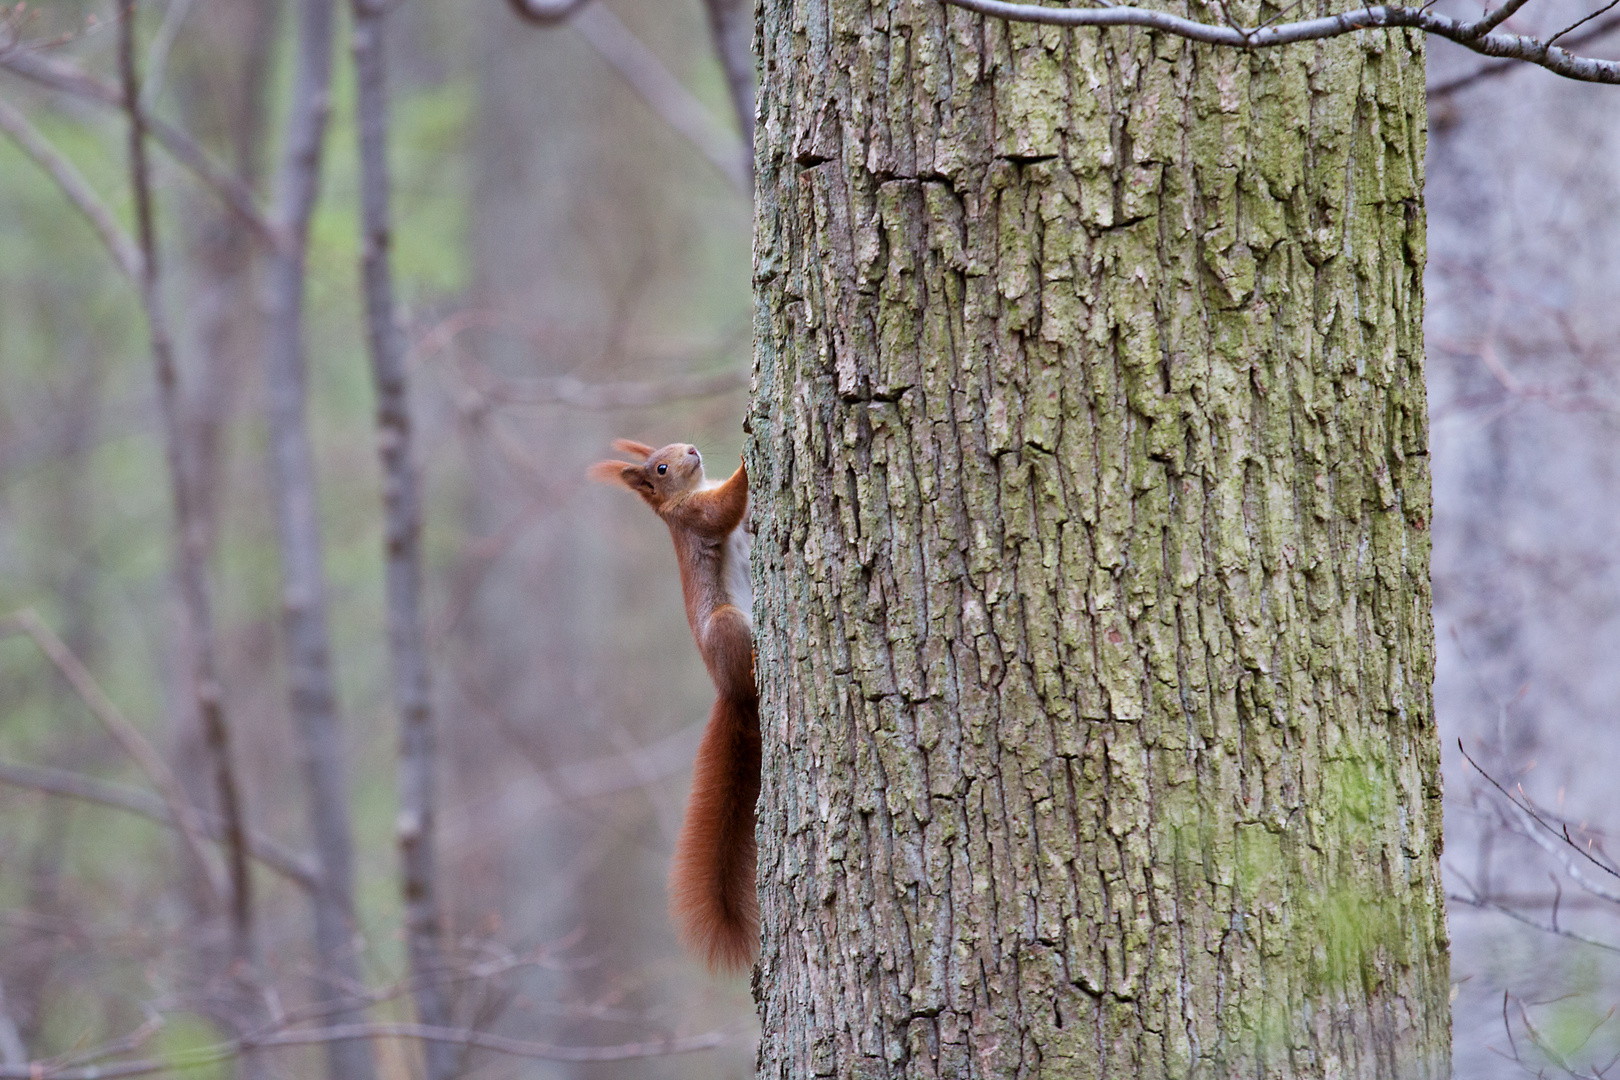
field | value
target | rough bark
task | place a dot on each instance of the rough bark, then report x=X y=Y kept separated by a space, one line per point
x=402 y=525
x=306 y=640
x=1089 y=453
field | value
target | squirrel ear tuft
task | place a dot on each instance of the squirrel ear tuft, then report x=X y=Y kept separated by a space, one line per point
x=633 y=448
x=611 y=472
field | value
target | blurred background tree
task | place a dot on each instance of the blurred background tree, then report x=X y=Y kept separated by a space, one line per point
x=571 y=254
x=558 y=247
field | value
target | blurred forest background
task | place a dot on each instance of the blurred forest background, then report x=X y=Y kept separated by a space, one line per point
x=572 y=263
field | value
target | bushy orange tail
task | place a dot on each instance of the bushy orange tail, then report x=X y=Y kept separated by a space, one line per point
x=711 y=884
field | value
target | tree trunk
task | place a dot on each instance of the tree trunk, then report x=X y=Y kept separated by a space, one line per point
x=306 y=638
x=402 y=548
x=1089 y=458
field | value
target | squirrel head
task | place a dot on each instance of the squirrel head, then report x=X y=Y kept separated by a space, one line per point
x=663 y=476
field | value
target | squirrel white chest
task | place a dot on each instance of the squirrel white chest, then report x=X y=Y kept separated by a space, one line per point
x=734 y=577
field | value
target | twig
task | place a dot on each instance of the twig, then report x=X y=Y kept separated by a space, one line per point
x=1548 y=844
x=75 y=187
x=1578 y=23
x=1516 y=915
x=558 y=785
x=126 y=1044
x=157 y=55
x=731 y=28
x=128 y=736
x=1508 y=1027
x=667 y=95
x=1476 y=35
x=602 y=397
x=297 y=868
x=489 y=969
x=39 y=1070
x=1540 y=1042
x=226 y=186
x=567 y=389
x=1491 y=20
x=514 y=1047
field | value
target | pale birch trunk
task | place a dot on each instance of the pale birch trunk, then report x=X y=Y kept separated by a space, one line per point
x=1089 y=464
x=312 y=695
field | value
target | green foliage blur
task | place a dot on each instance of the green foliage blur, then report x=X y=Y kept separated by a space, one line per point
x=547 y=223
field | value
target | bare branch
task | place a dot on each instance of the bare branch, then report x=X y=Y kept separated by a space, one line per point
x=75 y=187
x=1485 y=904
x=603 y=397
x=297 y=868
x=226 y=186
x=128 y=736
x=126 y=1044
x=157 y=55
x=667 y=95
x=1491 y=20
x=43 y=1070
x=562 y=785
x=514 y=1047
x=1382 y=16
x=731 y=27
x=1555 y=841
x=1540 y=1042
x=1600 y=29
x=1578 y=23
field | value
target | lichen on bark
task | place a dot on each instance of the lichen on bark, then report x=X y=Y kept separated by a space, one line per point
x=1089 y=460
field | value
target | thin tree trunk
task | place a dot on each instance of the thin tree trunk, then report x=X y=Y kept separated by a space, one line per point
x=220 y=85
x=402 y=546
x=190 y=531
x=1089 y=457
x=313 y=700
x=240 y=35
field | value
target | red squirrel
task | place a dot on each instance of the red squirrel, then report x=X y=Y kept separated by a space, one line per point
x=711 y=884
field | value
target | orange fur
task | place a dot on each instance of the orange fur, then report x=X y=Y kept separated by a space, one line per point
x=711 y=883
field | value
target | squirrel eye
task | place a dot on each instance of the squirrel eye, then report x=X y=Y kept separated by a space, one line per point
x=662 y=469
